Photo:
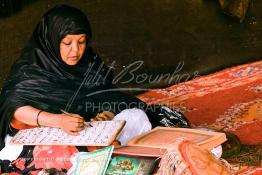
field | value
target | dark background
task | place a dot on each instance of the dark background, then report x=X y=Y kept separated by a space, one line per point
x=164 y=34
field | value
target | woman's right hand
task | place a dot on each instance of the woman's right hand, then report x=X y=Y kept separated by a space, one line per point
x=72 y=124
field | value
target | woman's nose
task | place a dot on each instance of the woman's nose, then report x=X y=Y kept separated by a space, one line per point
x=75 y=47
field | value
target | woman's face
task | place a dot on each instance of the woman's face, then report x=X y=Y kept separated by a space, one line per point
x=72 y=48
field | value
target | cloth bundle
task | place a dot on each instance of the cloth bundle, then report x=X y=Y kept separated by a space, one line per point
x=187 y=158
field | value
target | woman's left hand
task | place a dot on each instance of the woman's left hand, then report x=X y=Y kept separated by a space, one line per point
x=104 y=116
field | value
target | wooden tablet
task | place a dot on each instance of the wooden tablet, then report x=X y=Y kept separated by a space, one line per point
x=102 y=133
x=138 y=151
x=161 y=137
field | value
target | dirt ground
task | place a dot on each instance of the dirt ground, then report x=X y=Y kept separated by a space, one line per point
x=189 y=38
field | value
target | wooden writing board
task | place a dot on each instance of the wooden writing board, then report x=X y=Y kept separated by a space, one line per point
x=161 y=137
x=155 y=142
x=102 y=133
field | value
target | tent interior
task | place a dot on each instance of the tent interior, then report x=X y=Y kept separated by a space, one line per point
x=195 y=56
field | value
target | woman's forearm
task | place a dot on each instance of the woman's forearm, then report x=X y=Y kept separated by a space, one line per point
x=28 y=115
x=70 y=123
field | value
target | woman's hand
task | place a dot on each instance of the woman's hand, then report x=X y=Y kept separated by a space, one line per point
x=104 y=116
x=72 y=124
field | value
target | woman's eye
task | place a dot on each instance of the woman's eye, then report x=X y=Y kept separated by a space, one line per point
x=81 y=42
x=67 y=43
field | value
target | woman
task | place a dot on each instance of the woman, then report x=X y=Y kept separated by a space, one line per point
x=58 y=70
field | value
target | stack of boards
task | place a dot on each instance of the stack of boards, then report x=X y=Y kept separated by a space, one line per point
x=103 y=133
x=154 y=142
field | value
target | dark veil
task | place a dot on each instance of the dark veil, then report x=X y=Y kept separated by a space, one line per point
x=41 y=79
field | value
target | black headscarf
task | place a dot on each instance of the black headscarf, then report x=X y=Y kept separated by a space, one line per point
x=41 y=79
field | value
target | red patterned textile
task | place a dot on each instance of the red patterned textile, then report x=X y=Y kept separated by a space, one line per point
x=229 y=99
x=54 y=156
